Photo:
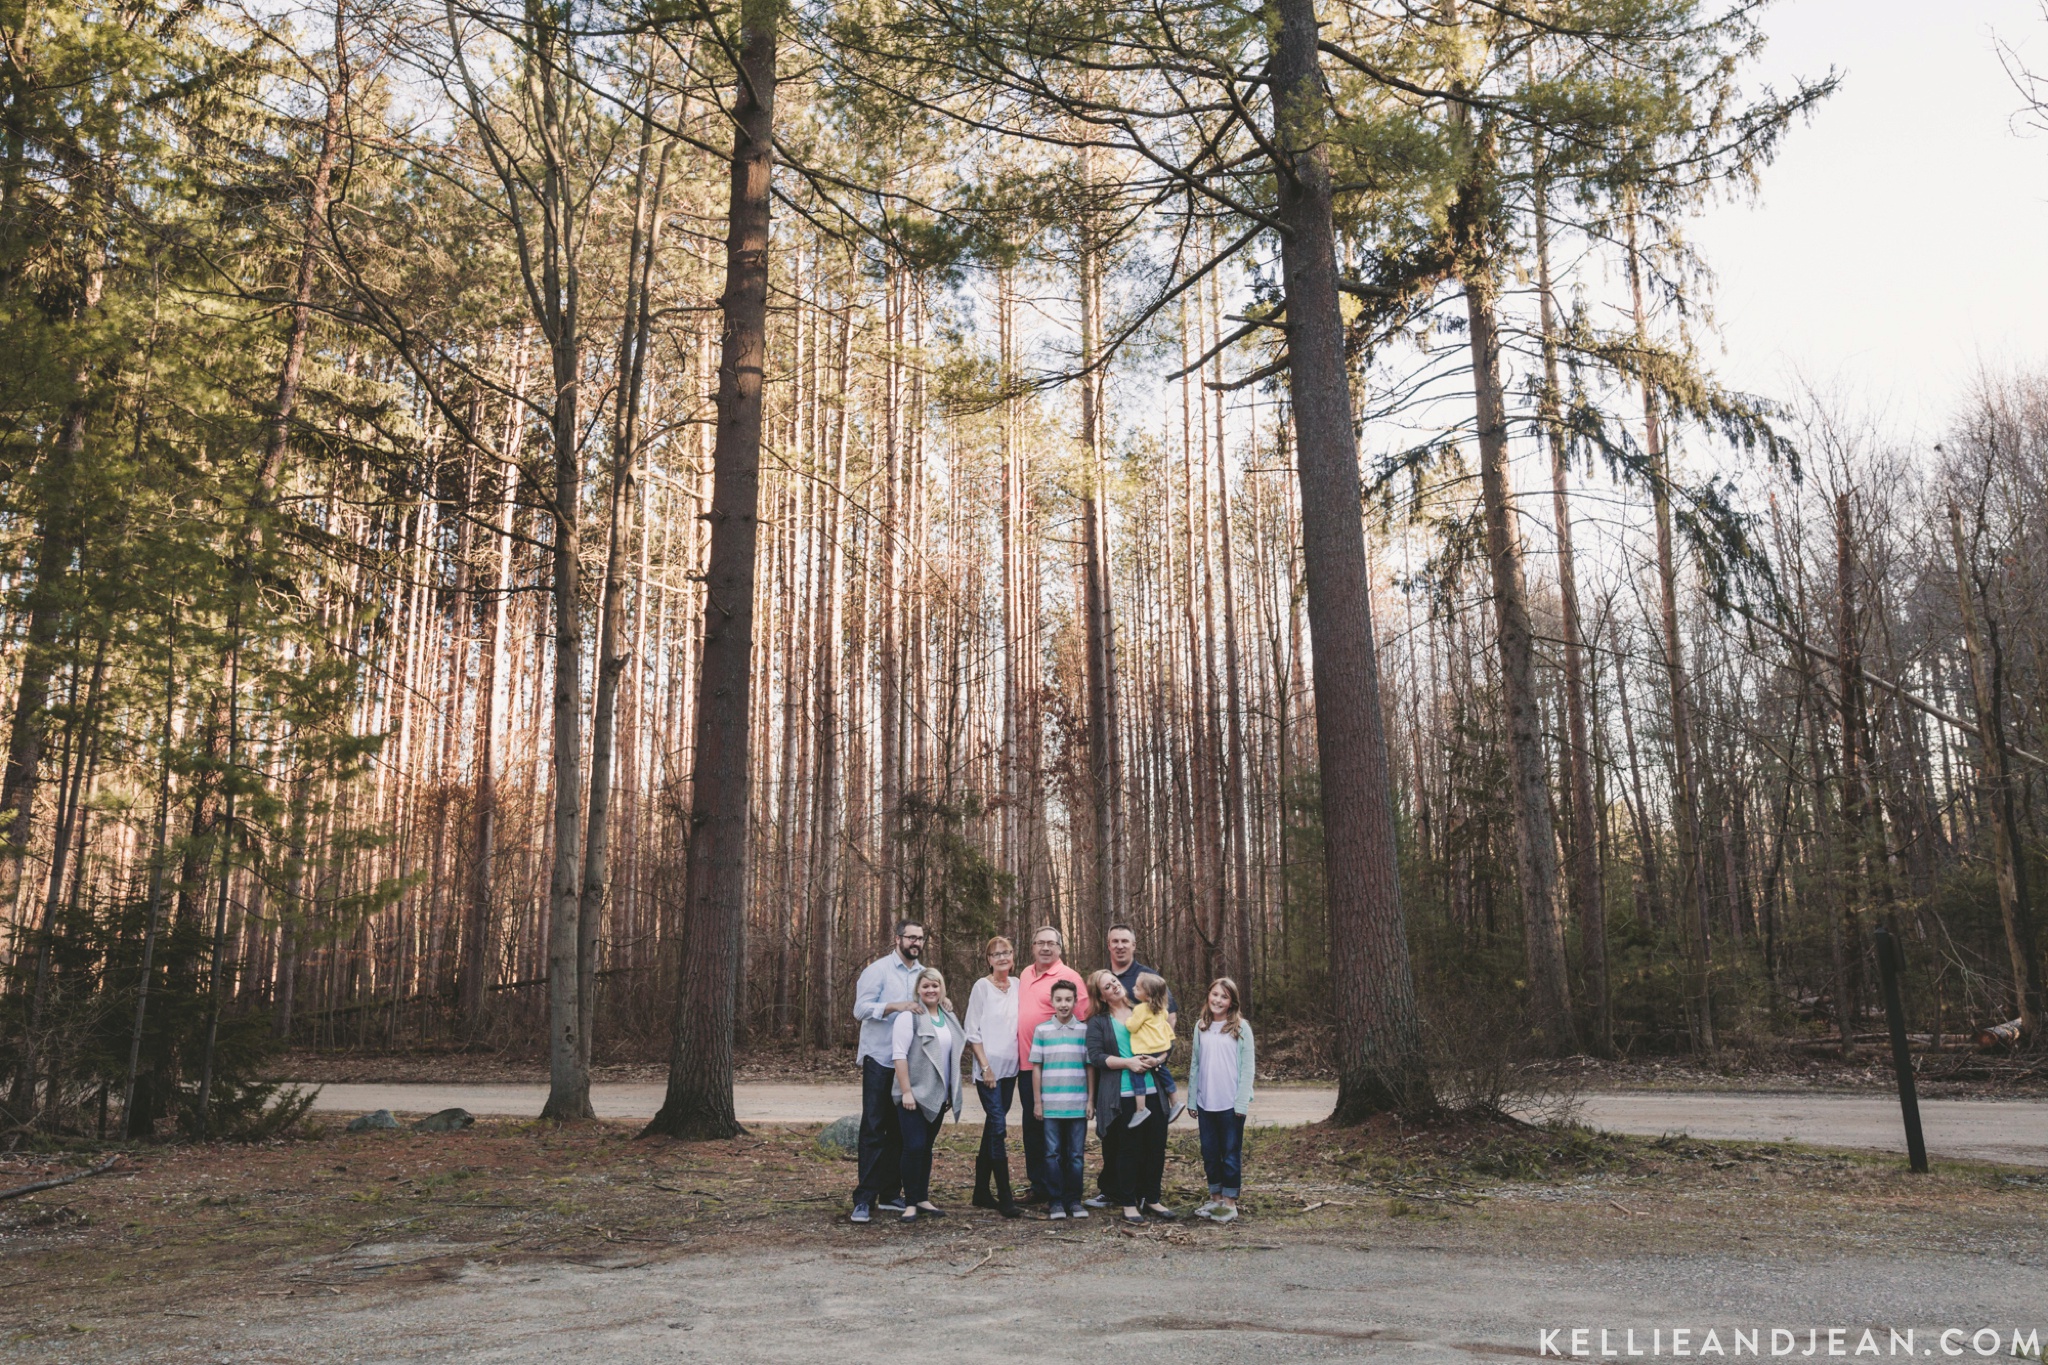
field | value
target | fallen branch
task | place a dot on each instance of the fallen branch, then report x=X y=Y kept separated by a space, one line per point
x=34 y=1186
x=977 y=1265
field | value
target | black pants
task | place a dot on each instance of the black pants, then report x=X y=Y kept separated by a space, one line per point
x=881 y=1136
x=1163 y=1078
x=1034 y=1136
x=919 y=1133
x=1134 y=1159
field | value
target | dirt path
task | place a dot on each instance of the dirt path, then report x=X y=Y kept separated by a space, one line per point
x=2011 y=1131
x=1001 y=1295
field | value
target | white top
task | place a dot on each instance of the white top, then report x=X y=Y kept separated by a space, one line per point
x=948 y=1037
x=992 y=1022
x=1218 y=1070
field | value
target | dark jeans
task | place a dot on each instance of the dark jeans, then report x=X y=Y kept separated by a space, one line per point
x=1065 y=1141
x=1222 y=1149
x=881 y=1136
x=995 y=1126
x=1034 y=1136
x=919 y=1133
x=1134 y=1159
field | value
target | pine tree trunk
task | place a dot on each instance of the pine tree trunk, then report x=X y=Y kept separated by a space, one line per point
x=1582 y=858
x=1685 y=785
x=699 y=1102
x=1535 y=839
x=1380 y=1065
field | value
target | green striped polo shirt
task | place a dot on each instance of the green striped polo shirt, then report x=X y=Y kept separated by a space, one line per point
x=1060 y=1053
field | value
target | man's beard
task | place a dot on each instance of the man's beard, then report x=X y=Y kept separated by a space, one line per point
x=913 y=950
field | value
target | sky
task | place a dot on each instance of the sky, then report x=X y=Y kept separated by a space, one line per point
x=1900 y=241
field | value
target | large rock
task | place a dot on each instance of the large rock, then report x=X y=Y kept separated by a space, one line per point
x=447 y=1121
x=842 y=1135
x=381 y=1119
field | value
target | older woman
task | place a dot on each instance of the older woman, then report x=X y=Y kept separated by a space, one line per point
x=1133 y=1159
x=926 y=1046
x=992 y=1038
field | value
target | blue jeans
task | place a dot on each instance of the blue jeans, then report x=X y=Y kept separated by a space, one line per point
x=1034 y=1136
x=1065 y=1141
x=995 y=1125
x=881 y=1136
x=1222 y=1150
x=919 y=1133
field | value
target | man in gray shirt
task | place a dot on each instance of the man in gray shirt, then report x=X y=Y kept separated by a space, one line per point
x=887 y=987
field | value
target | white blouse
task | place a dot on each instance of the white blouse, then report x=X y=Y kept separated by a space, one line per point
x=992 y=1022
x=904 y=1036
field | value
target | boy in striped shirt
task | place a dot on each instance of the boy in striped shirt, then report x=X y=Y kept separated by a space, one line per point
x=1059 y=1051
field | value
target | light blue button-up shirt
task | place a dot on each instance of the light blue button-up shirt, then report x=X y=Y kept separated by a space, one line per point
x=883 y=982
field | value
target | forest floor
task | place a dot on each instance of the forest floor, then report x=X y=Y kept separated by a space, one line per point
x=1763 y=1069
x=523 y=1242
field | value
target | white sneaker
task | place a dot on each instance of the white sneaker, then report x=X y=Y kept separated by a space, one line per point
x=1144 y=1112
x=1056 y=1212
x=1206 y=1209
x=1227 y=1213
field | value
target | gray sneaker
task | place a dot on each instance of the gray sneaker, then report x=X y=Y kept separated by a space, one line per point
x=1099 y=1201
x=1077 y=1210
x=1055 y=1212
x=861 y=1213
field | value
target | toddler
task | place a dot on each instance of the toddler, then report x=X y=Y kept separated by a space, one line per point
x=1150 y=1029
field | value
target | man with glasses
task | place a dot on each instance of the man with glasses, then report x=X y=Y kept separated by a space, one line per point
x=1034 y=1007
x=888 y=986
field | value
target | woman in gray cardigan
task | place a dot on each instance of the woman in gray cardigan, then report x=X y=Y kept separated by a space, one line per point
x=1221 y=1068
x=926 y=1045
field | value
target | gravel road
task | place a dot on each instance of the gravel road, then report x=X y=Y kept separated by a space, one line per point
x=1004 y=1295
x=2010 y=1131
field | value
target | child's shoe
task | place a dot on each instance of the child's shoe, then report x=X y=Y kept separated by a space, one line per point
x=1144 y=1112
x=1056 y=1211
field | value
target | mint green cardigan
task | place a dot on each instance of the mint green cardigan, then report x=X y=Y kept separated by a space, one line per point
x=1246 y=1065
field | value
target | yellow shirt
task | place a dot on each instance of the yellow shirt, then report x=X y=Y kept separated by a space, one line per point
x=1150 y=1030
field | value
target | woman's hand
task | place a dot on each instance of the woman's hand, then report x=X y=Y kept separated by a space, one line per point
x=909 y=1100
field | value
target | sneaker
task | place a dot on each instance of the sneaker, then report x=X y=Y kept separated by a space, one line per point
x=1144 y=1112
x=1225 y=1214
x=1055 y=1212
x=1100 y=1201
x=891 y=1205
x=1077 y=1210
x=1173 y=1115
x=861 y=1213
x=1206 y=1209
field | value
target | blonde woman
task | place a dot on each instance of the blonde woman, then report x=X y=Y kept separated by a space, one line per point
x=926 y=1047
x=1220 y=1073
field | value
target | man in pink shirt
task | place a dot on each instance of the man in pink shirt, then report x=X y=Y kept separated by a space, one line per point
x=1034 y=1007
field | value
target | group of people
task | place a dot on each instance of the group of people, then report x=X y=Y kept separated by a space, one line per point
x=1071 y=1054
